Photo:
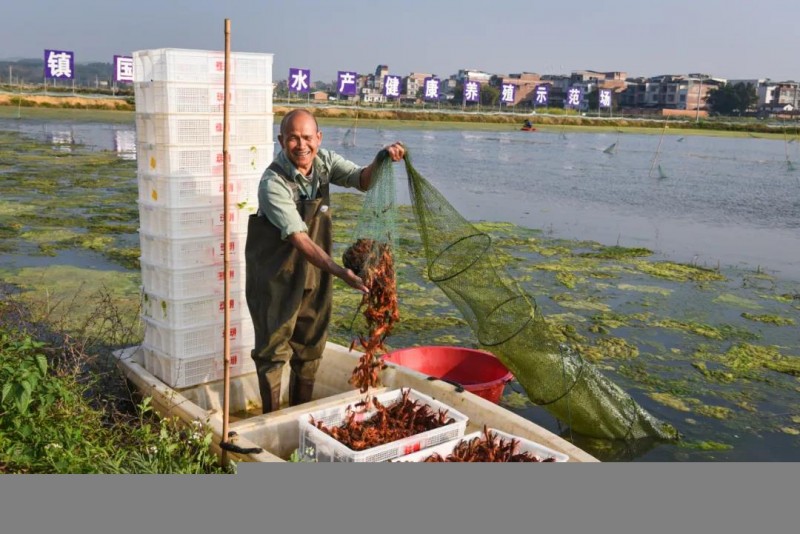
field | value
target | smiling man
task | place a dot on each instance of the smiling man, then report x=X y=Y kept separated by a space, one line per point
x=289 y=267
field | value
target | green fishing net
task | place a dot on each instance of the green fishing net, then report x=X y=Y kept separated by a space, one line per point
x=508 y=323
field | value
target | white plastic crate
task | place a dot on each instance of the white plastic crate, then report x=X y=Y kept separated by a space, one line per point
x=196 y=341
x=174 y=161
x=154 y=219
x=192 y=282
x=206 y=66
x=180 y=98
x=525 y=445
x=187 y=312
x=180 y=373
x=191 y=252
x=203 y=129
x=319 y=446
x=193 y=192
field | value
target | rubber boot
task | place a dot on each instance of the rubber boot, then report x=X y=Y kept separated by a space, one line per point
x=269 y=386
x=300 y=389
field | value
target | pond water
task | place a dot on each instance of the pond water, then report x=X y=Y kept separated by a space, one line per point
x=708 y=201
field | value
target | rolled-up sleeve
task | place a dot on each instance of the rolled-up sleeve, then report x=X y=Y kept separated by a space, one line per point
x=343 y=172
x=277 y=203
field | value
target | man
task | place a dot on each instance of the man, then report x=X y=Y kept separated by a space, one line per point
x=289 y=268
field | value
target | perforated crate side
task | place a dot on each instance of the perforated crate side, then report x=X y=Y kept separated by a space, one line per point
x=190 y=252
x=180 y=373
x=205 y=66
x=203 y=129
x=192 y=282
x=158 y=220
x=189 y=312
x=197 y=192
x=174 y=161
x=181 y=343
x=192 y=98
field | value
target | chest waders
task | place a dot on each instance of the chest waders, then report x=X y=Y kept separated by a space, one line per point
x=289 y=299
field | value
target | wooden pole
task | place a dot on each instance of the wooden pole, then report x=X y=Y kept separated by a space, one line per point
x=226 y=241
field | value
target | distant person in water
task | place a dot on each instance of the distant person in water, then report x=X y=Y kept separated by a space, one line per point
x=527 y=124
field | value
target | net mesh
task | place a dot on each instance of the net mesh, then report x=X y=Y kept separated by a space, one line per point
x=508 y=323
x=371 y=257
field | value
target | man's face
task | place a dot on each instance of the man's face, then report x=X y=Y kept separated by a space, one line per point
x=301 y=141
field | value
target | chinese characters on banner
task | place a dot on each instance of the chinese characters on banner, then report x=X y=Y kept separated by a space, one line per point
x=507 y=94
x=299 y=80
x=123 y=69
x=391 y=86
x=59 y=64
x=540 y=97
x=472 y=91
x=346 y=84
x=431 y=87
x=604 y=99
x=574 y=98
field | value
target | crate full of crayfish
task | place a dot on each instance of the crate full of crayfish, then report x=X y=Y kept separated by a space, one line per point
x=378 y=427
x=489 y=446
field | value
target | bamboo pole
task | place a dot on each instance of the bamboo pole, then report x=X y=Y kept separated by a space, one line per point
x=226 y=241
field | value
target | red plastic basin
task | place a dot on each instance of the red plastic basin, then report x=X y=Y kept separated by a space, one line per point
x=477 y=371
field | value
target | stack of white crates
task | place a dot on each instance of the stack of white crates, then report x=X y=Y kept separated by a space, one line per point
x=179 y=132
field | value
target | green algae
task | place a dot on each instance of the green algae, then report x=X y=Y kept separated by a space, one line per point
x=646 y=289
x=570 y=301
x=670 y=400
x=618 y=253
x=737 y=301
x=678 y=272
x=516 y=401
x=705 y=445
x=772 y=319
x=609 y=347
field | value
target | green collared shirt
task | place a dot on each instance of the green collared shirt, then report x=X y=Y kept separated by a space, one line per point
x=276 y=198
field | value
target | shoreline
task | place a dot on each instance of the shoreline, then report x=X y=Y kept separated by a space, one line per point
x=118 y=110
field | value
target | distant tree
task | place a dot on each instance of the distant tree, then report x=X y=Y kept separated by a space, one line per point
x=732 y=99
x=490 y=95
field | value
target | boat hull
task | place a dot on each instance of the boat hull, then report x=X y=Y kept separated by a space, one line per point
x=274 y=437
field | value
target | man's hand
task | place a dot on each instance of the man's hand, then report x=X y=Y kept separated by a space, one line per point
x=351 y=279
x=396 y=151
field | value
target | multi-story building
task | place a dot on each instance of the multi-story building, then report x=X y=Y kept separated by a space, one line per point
x=670 y=91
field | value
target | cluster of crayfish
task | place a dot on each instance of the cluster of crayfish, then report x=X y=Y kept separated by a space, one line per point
x=487 y=448
x=373 y=262
x=399 y=420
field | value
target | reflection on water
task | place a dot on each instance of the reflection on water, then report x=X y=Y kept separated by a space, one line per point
x=125 y=144
x=62 y=140
x=120 y=138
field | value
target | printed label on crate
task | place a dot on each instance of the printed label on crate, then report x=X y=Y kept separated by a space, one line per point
x=219 y=365
x=217 y=98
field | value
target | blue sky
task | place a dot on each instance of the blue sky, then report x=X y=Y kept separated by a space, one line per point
x=724 y=38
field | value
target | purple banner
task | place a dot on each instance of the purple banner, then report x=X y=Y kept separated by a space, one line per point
x=472 y=91
x=541 y=96
x=604 y=98
x=431 y=89
x=346 y=84
x=59 y=64
x=123 y=69
x=508 y=93
x=299 y=80
x=391 y=86
x=574 y=98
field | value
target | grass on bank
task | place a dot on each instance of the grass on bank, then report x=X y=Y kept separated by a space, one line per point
x=62 y=410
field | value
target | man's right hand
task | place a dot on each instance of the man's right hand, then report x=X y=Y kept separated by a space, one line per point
x=351 y=279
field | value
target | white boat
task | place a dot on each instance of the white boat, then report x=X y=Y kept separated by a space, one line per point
x=274 y=437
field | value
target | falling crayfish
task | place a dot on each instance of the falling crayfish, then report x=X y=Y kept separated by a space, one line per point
x=373 y=262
